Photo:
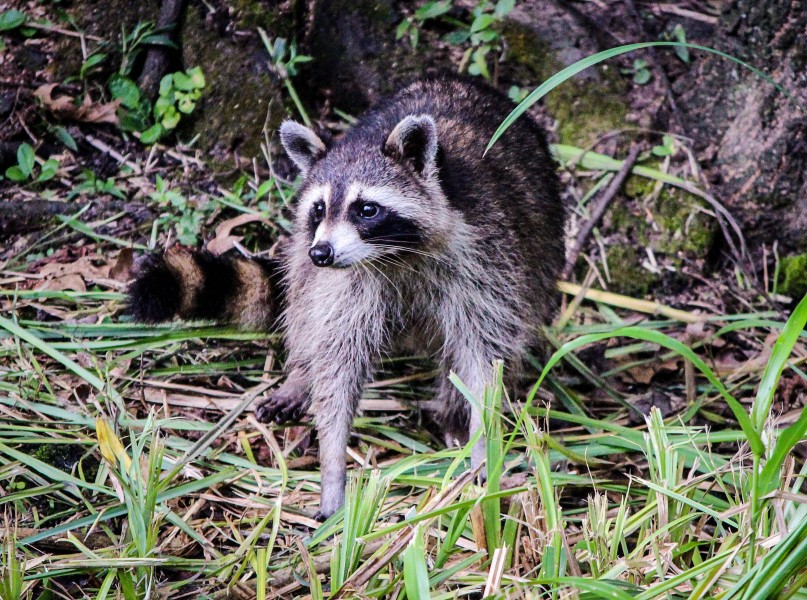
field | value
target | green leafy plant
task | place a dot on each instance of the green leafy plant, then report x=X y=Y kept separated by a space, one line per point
x=179 y=93
x=283 y=61
x=481 y=35
x=517 y=94
x=92 y=65
x=484 y=35
x=91 y=184
x=411 y=25
x=668 y=147
x=183 y=215
x=26 y=167
x=142 y=35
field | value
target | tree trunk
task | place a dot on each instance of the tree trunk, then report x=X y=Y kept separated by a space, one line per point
x=755 y=135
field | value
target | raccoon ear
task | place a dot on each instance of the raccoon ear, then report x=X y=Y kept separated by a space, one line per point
x=414 y=140
x=302 y=145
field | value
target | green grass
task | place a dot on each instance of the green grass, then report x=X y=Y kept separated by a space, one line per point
x=131 y=465
x=707 y=503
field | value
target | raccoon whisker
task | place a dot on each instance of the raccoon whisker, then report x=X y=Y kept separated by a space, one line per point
x=393 y=259
x=410 y=250
x=390 y=260
x=380 y=272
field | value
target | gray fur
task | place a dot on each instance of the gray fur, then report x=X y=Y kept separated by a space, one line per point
x=302 y=145
x=476 y=286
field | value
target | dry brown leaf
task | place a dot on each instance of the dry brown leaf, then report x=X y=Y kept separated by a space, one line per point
x=71 y=276
x=121 y=270
x=70 y=281
x=224 y=239
x=87 y=112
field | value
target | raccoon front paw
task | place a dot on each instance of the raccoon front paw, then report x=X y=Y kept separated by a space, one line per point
x=321 y=517
x=284 y=406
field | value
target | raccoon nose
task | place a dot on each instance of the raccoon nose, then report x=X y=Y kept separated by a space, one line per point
x=321 y=255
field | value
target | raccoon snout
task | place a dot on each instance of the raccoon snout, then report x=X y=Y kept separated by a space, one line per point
x=321 y=255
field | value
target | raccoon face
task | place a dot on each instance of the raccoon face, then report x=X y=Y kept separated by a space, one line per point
x=362 y=200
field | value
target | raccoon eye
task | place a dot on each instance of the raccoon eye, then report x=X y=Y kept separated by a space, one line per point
x=318 y=210
x=368 y=210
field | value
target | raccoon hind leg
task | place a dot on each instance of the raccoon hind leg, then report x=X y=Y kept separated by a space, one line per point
x=453 y=414
x=288 y=403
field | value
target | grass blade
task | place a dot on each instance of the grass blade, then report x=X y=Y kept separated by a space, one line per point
x=573 y=69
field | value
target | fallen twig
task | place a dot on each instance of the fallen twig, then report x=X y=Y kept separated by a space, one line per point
x=599 y=209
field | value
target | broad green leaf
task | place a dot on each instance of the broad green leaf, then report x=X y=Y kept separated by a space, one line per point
x=159 y=39
x=402 y=28
x=482 y=22
x=198 y=78
x=11 y=19
x=152 y=134
x=65 y=137
x=504 y=7
x=680 y=36
x=186 y=105
x=125 y=90
x=26 y=159
x=170 y=118
x=457 y=37
x=414 y=37
x=431 y=10
x=49 y=169
x=93 y=61
x=182 y=82
x=641 y=77
x=15 y=174
x=166 y=83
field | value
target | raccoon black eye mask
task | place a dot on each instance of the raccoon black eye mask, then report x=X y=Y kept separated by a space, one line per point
x=402 y=230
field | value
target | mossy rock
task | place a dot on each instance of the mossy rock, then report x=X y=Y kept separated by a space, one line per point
x=240 y=91
x=587 y=106
x=627 y=274
x=62 y=456
x=793 y=276
x=671 y=225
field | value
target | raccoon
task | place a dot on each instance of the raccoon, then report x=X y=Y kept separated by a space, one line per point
x=405 y=230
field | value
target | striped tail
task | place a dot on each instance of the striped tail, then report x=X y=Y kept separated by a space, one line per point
x=197 y=285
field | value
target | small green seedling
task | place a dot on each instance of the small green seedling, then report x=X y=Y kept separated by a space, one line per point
x=517 y=94
x=92 y=65
x=91 y=184
x=668 y=147
x=679 y=35
x=26 y=168
x=640 y=71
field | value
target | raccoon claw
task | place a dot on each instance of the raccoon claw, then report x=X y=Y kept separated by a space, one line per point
x=321 y=517
x=282 y=408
